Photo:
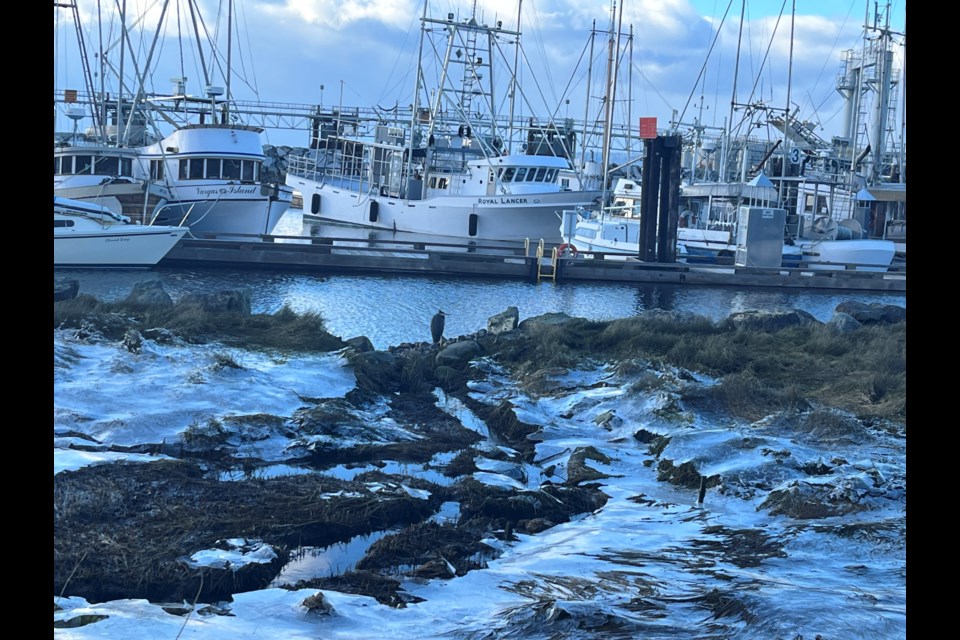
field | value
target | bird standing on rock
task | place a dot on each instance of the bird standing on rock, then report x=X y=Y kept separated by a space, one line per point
x=436 y=326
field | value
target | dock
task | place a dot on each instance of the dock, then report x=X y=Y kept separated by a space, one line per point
x=523 y=261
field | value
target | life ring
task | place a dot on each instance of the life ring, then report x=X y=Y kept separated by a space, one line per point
x=567 y=250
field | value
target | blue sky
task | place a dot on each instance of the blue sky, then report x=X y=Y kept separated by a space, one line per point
x=364 y=50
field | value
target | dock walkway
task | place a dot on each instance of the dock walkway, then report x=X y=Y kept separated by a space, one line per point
x=527 y=261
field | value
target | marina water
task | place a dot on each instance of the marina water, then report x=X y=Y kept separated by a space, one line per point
x=391 y=310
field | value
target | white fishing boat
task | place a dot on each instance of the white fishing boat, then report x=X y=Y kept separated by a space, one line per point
x=169 y=159
x=828 y=223
x=455 y=170
x=91 y=235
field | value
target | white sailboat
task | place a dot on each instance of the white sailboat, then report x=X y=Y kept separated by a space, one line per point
x=90 y=235
x=455 y=170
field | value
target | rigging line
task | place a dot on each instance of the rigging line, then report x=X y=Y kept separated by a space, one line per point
x=816 y=108
x=766 y=54
x=702 y=68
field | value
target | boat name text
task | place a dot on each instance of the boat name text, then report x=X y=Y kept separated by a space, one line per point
x=233 y=189
x=501 y=201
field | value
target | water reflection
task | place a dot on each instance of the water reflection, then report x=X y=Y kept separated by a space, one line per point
x=391 y=310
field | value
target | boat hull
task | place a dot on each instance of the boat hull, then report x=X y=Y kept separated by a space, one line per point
x=225 y=210
x=863 y=255
x=132 y=246
x=533 y=216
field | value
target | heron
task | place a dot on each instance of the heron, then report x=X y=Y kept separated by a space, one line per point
x=436 y=326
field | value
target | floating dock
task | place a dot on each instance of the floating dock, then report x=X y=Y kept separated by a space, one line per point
x=524 y=261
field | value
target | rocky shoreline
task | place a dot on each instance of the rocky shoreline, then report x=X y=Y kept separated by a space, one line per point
x=128 y=530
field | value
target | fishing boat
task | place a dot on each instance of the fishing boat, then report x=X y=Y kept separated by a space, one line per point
x=90 y=235
x=175 y=159
x=455 y=170
x=844 y=201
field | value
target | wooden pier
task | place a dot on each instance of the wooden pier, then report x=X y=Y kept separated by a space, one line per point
x=525 y=261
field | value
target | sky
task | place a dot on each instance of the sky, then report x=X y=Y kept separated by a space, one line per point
x=647 y=560
x=361 y=53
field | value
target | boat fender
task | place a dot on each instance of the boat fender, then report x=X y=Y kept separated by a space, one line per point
x=567 y=250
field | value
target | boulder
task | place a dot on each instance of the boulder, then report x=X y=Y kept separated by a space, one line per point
x=769 y=320
x=361 y=344
x=843 y=322
x=458 y=353
x=864 y=313
x=546 y=319
x=232 y=300
x=504 y=321
x=149 y=293
x=65 y=289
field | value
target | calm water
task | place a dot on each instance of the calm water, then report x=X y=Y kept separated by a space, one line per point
x=394 y=309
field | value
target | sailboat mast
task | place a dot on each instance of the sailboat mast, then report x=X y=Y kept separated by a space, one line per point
x=226 y=104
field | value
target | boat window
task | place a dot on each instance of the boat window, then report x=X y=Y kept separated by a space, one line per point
x=126 y=167
x=56 y=166
x=196 y=169
x=184 y=166
x=541 y=172
x=156 y=169
x=442 y=183
x=521 y=174
x=531 y=174
x=551 y=175
x=247 y=170
x=231 y=169
x=83 y=164
x=107 y=166
x=508 y=174
x=213 y=168
x=62 y=223
x=565 y=183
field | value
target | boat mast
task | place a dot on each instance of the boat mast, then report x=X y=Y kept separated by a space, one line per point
x=586 y=107
x=226 y=104
x=782 y=193
x=725 y=147
x=613 y=49
x=513 y=77
x=418 y=82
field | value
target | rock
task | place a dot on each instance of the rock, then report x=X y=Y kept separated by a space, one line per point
x=149 y=293
x=132 y=341
x=769 y=320
x=232 y=300
x=537 y=525
x=862 y=312
x=843 y=322
x=873 y=313
x=893 y=314
x=546 y=319
x=65 y=289
x=317 y=604
x=458 y=353
x=504 y=321
x=361 y=344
